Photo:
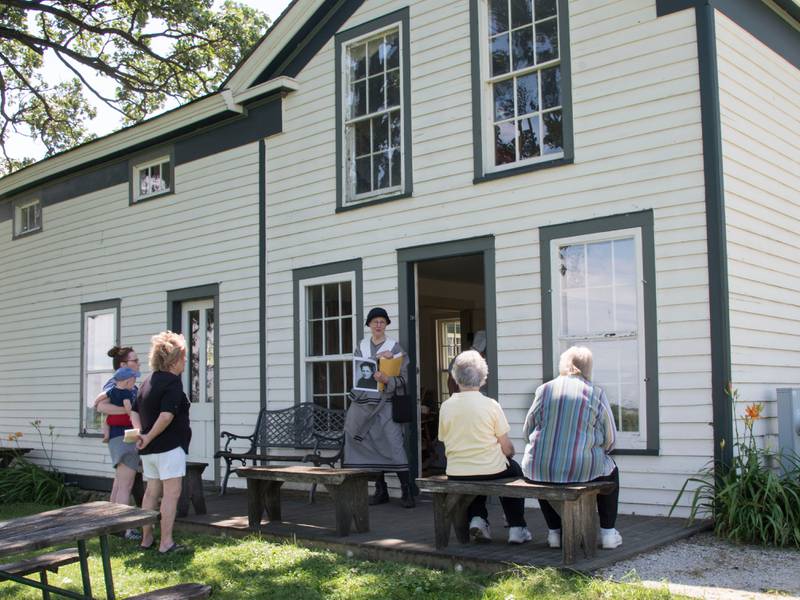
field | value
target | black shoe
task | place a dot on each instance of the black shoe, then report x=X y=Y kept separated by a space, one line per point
x=381 y=495
x=407 y=500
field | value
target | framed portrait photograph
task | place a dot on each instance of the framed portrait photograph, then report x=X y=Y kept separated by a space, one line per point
x=363 y=371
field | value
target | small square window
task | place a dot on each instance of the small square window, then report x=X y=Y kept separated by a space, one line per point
x=27 y=217
x=152 y=178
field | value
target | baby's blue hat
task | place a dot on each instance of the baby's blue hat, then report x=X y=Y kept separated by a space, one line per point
x=124 y=373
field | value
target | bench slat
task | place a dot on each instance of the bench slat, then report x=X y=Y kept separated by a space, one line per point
x=183 y=591
x=513 y=488
x=50 y=561
x=302 y=474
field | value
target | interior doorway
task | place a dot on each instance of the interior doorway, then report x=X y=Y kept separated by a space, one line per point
x=451 y=308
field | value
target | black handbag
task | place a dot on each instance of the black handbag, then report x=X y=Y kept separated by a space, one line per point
x=402 y=406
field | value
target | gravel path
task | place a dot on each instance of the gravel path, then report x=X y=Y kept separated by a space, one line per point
x=706 y=567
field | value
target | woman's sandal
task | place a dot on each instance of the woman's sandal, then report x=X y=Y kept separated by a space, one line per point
x=174 y=548
x=150 y=547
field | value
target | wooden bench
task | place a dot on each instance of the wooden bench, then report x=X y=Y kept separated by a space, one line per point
x=576 y=503
x=191 y=489
x=183 y=591
x=42 y=563
x=305 y=426
x=348 y=489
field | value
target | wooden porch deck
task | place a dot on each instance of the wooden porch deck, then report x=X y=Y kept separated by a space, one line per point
x=407 y=534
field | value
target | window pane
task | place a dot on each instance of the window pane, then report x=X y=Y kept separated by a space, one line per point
x=546 y=41
x=544 y=9
x=315 y=338
x=93 y=385
x=527 y=94
x=380 y=133
x=504 y=141
x=393 y=88
x=375 y=86
x=523 y=47
x=319 y=378
x=358 y=99
x=395 y=161
x=572 y=266
x=100 y=336
x=165 y=175
x=499 y=57
x=331 y=294
x=332 y=338
x=528 y=137
x=347 y=335
x=624 y=262
x=363 y=175
x=380 y=170
x=551 y=87
x=521 y=13
x=553 y=135
x=503 y=99
x=194 y=355
x=358 y=62
x=598 y=259
x=143 y=183
x=210 y=355
x=573 y=312
x=395 y=127
x=392 y=50
x=337 y=402
x=626 y=317
x=315 y=302
x=336 y=370
x=374 y=56
x=346 y=295
x=601 y=310
x=498 y=16
x=362 y=137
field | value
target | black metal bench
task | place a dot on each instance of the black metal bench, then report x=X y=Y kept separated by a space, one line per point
x=307 y=428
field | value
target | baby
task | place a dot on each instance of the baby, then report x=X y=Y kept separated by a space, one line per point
x=121 y=394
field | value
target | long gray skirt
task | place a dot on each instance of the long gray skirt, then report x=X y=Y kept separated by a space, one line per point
x=372 y=440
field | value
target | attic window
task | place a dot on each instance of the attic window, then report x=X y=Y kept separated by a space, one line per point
x=27 y=217
x=152 y=178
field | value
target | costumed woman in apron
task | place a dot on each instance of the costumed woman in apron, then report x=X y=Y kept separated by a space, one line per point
x=372 y=439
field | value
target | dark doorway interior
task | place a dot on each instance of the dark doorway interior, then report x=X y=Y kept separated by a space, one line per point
x=451 y=308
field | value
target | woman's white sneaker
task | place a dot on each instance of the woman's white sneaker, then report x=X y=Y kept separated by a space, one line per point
x=519 y=535
x=479 y=530
x=554 y=538
x=610 y=538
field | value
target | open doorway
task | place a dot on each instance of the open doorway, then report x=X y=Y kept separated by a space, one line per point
x=451 y=308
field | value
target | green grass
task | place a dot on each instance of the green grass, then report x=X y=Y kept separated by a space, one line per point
x=251 y=568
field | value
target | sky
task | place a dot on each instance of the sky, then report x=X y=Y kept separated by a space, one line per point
x=107 y=120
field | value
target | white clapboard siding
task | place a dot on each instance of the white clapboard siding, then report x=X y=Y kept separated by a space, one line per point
x=96 y=247
x=637 y=146
x=760 y=115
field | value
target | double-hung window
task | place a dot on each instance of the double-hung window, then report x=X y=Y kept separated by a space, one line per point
x=522 y=90
x=100 y=331
x=373 y=112
x=601 y=297
x=326 y=338
x=27 y=217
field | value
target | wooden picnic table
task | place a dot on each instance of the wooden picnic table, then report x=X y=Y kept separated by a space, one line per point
x=9 y=454
x=71 y=524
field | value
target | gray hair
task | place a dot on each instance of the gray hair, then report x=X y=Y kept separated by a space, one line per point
x=576 y=360
x=470 y=369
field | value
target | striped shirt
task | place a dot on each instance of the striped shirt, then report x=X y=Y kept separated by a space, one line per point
x=570 y=430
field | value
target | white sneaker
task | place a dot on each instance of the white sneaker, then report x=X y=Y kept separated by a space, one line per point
x=610 y=538
x=554 y=538
x=519 y=535
x=479 y=530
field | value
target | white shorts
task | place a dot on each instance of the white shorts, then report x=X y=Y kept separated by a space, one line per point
x=164 y=465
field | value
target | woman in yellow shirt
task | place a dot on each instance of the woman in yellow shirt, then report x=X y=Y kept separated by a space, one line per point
x=474 y=430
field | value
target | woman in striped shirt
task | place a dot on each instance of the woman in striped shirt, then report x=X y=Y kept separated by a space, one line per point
x=570 y=431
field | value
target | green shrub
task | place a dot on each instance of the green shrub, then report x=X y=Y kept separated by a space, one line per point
x=749 y=500
x=25 y=481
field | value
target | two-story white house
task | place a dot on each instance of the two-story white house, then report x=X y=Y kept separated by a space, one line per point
x=618 y=174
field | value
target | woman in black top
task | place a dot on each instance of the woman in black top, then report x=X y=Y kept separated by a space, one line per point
x=161 y=412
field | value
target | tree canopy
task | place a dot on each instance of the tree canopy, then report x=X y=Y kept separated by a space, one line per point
x=152 y=52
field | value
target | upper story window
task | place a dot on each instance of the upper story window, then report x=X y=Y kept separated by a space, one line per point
x=152 y=176
x=27 y=217
x=522 y=91
x=372 y=111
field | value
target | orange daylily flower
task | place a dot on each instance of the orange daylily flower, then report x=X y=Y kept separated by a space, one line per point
x=18 y=434
x=753 y=411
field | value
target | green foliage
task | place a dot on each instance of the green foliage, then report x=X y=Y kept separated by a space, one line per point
x=254 y=569
x=25 y=481
x=749 y=500
x=151 y=51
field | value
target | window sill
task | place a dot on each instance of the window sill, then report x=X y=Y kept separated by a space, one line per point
x=17 y=236
x=523 y=169
x=355 y=205
x=133 y=202
x=634 y=452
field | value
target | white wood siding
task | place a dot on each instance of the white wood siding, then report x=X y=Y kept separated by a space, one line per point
x=637 y=146
x=760 y=113
x=96 y=247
